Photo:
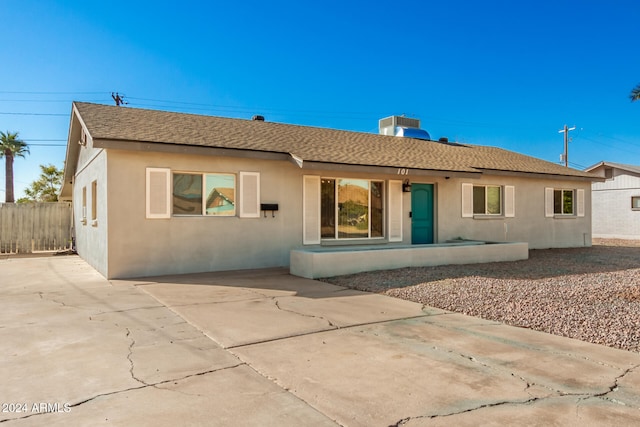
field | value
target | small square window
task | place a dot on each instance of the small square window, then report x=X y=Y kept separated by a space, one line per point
x=635 y=202
x=84 y=205
x=563 y=202
x=487 y=200
x=94 y=200
x=215 y=192
x=608 y=173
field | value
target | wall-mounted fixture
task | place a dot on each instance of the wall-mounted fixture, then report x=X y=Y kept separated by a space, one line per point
x=273 y=207
x=406 y=186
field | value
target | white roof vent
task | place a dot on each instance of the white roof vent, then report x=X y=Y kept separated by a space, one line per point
x=387 y=125
x=402 y=126
x=412 y=133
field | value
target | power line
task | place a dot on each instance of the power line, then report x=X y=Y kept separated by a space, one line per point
x=45 y=100
x=33 y=114
x=53 y=93
x=577 y=166
x=608 y=145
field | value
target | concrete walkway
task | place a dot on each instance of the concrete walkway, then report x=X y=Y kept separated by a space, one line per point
x=266 y=348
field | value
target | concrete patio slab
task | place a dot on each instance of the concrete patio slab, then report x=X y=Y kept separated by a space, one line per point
x=403 y=373
x=299 y=352
x=276 y=306
x=552 y=411
x=75 y=350
x=233 y=396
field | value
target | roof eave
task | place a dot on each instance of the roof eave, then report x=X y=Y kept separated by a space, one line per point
x=164 y=147
x=401 y=173
x=543 y=175
x=71 y=158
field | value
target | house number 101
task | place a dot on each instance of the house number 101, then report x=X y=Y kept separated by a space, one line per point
x=403 y=171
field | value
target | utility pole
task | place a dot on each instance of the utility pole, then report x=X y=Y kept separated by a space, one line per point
x=118 y=99
x=565 y=156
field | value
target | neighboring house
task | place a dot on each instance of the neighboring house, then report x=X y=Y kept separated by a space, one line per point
x=616 y=201
x=159 y=193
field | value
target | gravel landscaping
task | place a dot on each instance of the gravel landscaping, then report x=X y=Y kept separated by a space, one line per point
x=591 y=294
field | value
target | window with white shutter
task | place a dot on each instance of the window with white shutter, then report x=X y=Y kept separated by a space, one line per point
x=158 y=193
x=395 y=211
x=509 y=201
x=311 y=210
x=564 y=202
x=249 y=194
x=548 y=202
x=580 y=202
x=467 y=200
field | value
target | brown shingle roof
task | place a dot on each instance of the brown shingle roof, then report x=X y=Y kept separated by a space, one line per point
x=309 y=143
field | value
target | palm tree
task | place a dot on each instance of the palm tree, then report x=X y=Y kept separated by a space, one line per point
x=11 y=147
x=635 y=93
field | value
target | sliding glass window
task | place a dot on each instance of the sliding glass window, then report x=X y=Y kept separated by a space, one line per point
x=351 y=208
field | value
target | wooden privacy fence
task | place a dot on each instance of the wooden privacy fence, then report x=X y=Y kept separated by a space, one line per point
x=35 y=227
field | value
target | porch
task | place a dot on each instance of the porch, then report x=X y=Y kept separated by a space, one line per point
x=320 y=262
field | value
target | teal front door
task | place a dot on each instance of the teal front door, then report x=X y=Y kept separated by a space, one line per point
x=421 y=213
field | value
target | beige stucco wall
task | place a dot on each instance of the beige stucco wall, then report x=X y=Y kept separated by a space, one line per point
x=141 y=247
x=91 y=236
x=529 y=224
x=145 y=247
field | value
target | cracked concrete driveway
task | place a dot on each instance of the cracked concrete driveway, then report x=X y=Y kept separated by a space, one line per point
x=267 y=348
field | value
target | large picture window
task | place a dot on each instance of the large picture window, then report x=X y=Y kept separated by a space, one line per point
x=563 y=202
x=351 y=208
x=204 y=194
x=487 y=200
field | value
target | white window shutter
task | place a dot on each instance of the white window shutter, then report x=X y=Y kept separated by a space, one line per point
x=509 y=201
x=158 y=193
x=395 y=211
x=249 y=194
x=467 y=200
x=580 y=202
x=548 y=202
x=311 y=210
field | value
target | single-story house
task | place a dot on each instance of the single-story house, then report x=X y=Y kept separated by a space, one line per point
x=615 y=201
x=158 y=192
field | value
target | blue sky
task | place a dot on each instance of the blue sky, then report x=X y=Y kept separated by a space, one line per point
x=501 y=73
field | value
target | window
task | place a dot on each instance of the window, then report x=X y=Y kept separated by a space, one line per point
x=563 y=202
x=608 y=173
x=328 y=208
x=351 y=208
x=487 y=200
x=94 y=203
x=84 y=205
x=635 y=202
x=204 y=194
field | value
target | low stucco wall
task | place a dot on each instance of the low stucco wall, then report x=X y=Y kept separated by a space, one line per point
x=328 y=262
